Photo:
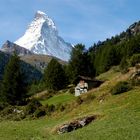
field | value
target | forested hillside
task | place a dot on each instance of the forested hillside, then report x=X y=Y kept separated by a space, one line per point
x=31 y=72
x=117 y=49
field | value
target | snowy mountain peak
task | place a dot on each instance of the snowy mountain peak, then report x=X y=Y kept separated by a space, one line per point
x=41 y=37
x=40 y=14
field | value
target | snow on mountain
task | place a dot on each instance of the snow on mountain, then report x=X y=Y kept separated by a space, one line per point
x=41 y=37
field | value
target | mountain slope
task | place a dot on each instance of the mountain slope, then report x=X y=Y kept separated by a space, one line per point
x=42 y=37
x=31 y=73
x=10 y=48
x=119 y=117
x=39 y=61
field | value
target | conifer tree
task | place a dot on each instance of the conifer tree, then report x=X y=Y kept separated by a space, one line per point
x=80 y=63
x=13 y=87
x=54 y=76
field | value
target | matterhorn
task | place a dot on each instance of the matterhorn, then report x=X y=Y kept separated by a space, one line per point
x=41 y=37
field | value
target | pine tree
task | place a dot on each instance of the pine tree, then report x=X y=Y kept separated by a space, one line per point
x=13 y=87
x=54 y=76
x=80 y=63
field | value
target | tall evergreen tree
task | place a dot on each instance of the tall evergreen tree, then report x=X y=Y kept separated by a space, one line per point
x=13 y=87
x=80 y=63
x=54 y=75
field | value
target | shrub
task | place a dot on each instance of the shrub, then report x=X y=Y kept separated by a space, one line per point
x=120 y=88
x=3 y=105
x=135 y=82
x=32 y=106
x=51 y=108
x=40 y=112
x=124 y=65
x=7 y=110
x=71 y=90
x=135 y=59
x=36 y=87
x=60 y=107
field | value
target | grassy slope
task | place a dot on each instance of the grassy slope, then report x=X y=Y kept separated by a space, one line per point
x=62 y=98
x=120 y=118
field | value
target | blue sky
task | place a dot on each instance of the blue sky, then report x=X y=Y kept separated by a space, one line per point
x=78 y=21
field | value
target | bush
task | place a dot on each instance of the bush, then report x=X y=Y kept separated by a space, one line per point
x=135 y=59
x=124 y=65
x=7 y=110
x=3 y=105
x=51 y=108
x=36 y=87
x=32 y=106
x=120 y=88
x=71 y=90
x=60 y=107
x=135 y=82
x=13 y=113
x=40 y=112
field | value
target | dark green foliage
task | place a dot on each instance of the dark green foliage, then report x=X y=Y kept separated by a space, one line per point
x=71 y=90
x=51 y=108
x=32 y=106
x=135 y=82
x=110 y=52
x=54 y=76
x=124 y=65
x=60 y=107
x=13 y=113
x=106 y=57
x=40 y=112
x=4 y=58
x=7 y=110
x=3 y=105
x=36 y=87
x=120 y=87
x=29 y=71
x=13 y=89
x=80 y=63
x=135 y=59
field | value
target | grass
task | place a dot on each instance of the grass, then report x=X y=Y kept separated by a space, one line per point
x=61 y=98
x=120 y=118
x=109 y=74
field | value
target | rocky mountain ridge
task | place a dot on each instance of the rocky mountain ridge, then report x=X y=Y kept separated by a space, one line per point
x=41 y=37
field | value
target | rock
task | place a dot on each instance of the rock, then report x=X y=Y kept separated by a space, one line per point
x=79 y=123
x=18 y=111
x=63 y=129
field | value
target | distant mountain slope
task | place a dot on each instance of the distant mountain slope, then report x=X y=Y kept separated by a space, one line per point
x=3 y=61
x=39 y=61
x=42 y=37
x=10 y=48
x=31 y=73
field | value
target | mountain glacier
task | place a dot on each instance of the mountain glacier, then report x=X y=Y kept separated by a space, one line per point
x=41 y=37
